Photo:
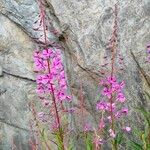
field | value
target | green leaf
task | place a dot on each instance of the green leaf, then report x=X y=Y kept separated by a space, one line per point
x=71 y=144
x=89 y=143
x=59 y=140
x=118 y=138
x=135 y=146
x=43 y=133
x=70 y=147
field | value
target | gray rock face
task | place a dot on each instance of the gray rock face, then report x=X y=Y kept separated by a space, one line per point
x=14 y=112
x=86 y=27
x=16 y=50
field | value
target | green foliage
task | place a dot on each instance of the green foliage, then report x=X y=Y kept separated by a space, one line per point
x=59 y=139
x=89 y=141
x=118 y=139
x=71 y=146
x=144 y=135
x=135 y=146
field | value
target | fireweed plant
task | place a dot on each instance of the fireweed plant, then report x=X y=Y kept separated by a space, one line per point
x=52 y=88
x=112 y=102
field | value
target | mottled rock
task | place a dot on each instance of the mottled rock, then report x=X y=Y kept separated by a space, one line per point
x=15 y=95
x=16 y=49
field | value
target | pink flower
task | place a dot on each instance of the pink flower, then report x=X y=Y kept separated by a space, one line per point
x=62 y=74
x=109 y=118
x=118 y=115
x=122 y=84
x=42 y=79
x=54 y=74
x=112 y=133
x=61 y=95
x=101 y=105
x=121 y=98
x=46 y=54
x=127 y=129
x=107 y=92
x=41 y=114
x=98 y=141
x=125 y=111
x=117 y=87
x=68 y=98
x=63 y=84
x=110 y=107
x=111 y=80
x=87 y=127
x=40 y=89
x=101 y=124
x=112 y=93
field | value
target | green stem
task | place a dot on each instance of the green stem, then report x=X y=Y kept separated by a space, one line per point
x=114 y=145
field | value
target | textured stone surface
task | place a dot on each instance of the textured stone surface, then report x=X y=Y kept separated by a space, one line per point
x=15 y=94
x=86 y=27
x=16 y=49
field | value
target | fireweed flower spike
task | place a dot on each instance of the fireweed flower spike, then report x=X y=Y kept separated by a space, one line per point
x=112 y=101
x=56 y=76
x=51 y=79
x=112 y=88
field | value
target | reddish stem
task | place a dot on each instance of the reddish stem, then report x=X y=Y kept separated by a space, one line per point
x=52 y=94
x=112 y=65
x=82 y=105
x=55 y=107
